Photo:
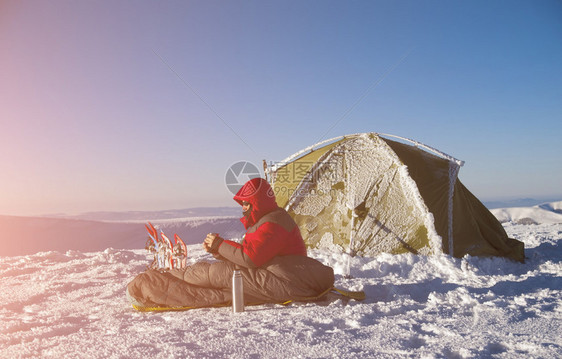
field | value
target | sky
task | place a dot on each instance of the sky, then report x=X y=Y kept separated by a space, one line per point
x=144 y=105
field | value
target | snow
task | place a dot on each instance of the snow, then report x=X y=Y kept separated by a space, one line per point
x=366 y=172
x=71 y=304
x=542 y=213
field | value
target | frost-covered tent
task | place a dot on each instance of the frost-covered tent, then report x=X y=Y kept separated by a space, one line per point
x=366 y=194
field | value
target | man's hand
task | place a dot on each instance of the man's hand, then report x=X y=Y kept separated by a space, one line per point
x=212 y=242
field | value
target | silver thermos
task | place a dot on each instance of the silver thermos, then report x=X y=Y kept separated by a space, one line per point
x=237 y=292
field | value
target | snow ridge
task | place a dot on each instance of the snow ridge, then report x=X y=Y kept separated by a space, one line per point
x=542 y=213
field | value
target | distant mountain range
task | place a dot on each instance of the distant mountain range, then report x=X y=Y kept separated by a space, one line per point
x=520 y=202
x=97 y=231
x=121 y=230
x=155 y=215
x=543 y=213
x=135 y=216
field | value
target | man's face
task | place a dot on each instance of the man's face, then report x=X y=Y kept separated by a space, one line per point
x=246 y=208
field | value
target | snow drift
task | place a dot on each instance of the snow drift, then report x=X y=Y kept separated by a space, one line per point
x=542 y=213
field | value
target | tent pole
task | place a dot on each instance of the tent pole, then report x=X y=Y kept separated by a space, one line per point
x=454 y=168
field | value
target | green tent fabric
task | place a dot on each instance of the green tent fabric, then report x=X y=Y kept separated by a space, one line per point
x=366 y=194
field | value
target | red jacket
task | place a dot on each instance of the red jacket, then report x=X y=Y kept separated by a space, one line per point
x=270 y=230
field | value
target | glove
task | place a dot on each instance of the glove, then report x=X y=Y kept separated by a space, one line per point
x=212 y=243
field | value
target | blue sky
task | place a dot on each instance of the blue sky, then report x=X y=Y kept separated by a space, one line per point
x=143 y=105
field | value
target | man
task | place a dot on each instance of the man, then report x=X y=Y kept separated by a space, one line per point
x=272 y=260
x=270 y=230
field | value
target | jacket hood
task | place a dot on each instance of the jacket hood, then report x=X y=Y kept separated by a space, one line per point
x=259 y=194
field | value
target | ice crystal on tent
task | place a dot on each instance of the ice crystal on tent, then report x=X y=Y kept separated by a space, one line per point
x=374 y=195
x=359 y=197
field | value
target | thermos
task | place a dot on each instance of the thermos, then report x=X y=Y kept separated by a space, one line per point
x=237 y=292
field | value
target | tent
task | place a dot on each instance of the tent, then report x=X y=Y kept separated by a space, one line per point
x=365 y=194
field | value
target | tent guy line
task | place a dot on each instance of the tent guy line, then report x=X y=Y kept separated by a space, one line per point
x=202 y=100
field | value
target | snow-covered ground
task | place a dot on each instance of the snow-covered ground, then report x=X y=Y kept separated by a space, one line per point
x=71 y=304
